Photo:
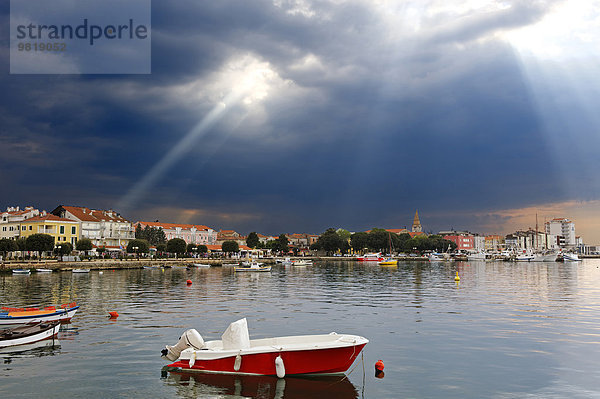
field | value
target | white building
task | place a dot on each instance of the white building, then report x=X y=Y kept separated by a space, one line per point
x=104 y=228
x=190 y=233
x=10 y=220
x=564 y=229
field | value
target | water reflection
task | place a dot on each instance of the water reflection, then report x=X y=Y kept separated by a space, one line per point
x=47 y=347
x=265 y=387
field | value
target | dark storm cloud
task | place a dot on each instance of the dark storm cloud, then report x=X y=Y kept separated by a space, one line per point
x=360 y=126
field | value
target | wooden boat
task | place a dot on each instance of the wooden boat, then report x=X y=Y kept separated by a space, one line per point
x=28 y=333
x=21 y=271
x=21 y=316
x=236 y=353
x=80 y=270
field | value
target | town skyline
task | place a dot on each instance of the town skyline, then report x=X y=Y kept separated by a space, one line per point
x=408 y=227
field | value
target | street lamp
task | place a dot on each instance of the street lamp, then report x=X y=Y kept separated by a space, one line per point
x=136 y=252
x=59 y=251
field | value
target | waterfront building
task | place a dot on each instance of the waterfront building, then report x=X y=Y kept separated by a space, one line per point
x=103 y=228
x=61 y=229
x=463 y=241
x=416 y=226
x=191 y=233
x=564 y=229
x=10 y=220
x=230 y=235
x=494 y=243
x=479 y=243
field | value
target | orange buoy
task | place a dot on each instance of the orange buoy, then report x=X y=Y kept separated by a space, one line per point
x=379 y=365
x=189 y=282
x=113 y=315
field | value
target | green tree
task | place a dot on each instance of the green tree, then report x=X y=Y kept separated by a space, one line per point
x=202 y=249
x=330 y=241
x=252 y=240
x=39 y=243
x=359 y=241
x=84 y=244
x=7 y=245
x=160 y=248
x=282 y=243
x=230 y=246
x=63 y=248
x=138 y=246
x=176 y=246
x=192 y=248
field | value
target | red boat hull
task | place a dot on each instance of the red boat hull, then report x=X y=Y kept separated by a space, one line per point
x=317 y=361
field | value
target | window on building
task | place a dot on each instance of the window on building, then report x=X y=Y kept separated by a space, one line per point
x=73 y=230
x=62 y=229
x=30 y=228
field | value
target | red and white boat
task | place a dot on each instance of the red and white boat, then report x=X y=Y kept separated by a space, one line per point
x=236 y=353
x=21 y=316
x=372 y=257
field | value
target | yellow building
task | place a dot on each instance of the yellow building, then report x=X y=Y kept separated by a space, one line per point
x=63 y=230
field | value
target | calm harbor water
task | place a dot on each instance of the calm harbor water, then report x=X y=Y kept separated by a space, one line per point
x=507 y=330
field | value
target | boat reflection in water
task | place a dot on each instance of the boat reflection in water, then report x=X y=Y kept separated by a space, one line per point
x=47 y=347
x=197 y=384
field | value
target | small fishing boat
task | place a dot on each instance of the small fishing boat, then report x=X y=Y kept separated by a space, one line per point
x=436 y=257
x=200 y=264
x=252 y=267
x=28 y=333
x=372 y=257
x=571 y=256
x=23 y=316
x=236 y=353
x=302 y=263
x=388 y=262
x=41 y=270
x=21 y=271
x=80 y=270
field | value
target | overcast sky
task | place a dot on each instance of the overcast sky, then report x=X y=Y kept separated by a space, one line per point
x=295 y=116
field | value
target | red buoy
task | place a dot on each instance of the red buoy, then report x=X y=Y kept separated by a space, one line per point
x=379 y=365
x=189 y=282
x=113 y=315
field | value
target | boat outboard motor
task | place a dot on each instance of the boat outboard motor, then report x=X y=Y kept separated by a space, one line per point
x=190 y=339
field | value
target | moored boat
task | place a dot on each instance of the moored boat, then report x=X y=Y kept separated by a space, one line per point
x=252 y=267
x=571 y=256
x=42 y=270
x=371 y=257
x=80 y=270
x=21 y=271
x=302 y=262
x=200 y=264
x=388 y=262
x=13 y=316
x=236 y=353
x=28 y=333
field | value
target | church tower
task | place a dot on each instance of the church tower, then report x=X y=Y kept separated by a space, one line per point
x=416 y=227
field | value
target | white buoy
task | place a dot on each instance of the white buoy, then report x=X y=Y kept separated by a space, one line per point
x=238 y=363
x=279 y=367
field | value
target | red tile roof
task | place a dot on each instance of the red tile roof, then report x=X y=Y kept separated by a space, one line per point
x=173 y=225
x=92 y=215
x=48 y=217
